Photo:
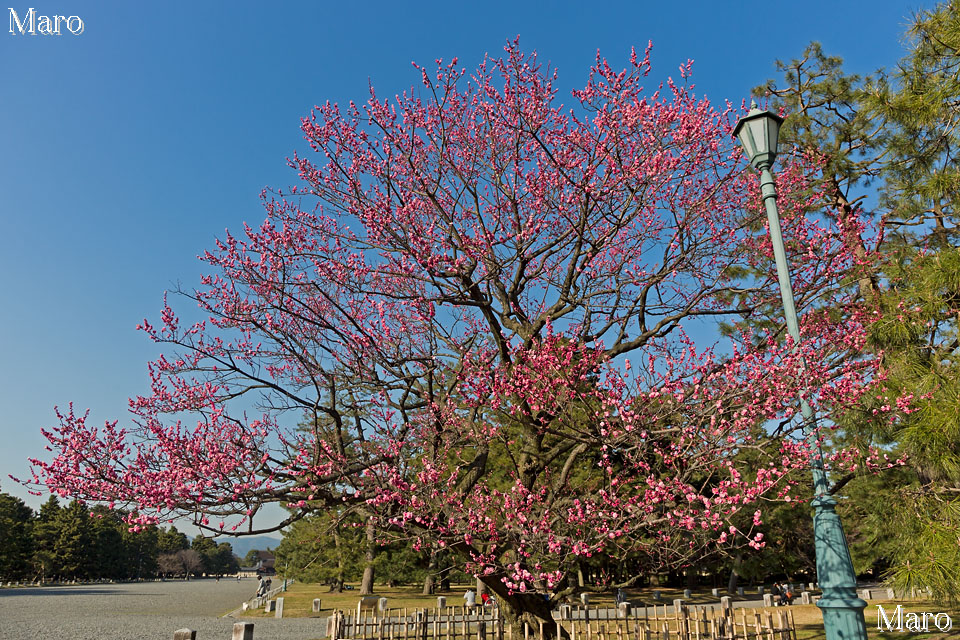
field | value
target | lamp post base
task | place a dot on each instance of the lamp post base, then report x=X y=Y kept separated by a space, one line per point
x=844 y=621
x=841 y=608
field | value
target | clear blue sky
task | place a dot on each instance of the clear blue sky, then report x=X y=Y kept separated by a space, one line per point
x=126 y=149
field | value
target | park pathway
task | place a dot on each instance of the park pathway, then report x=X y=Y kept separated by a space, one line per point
x=137 y=611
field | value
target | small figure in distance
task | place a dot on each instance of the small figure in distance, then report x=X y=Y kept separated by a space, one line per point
x=471 y=599
x=786 y=596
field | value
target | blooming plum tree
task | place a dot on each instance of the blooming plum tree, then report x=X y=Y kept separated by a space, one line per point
x=473 y=322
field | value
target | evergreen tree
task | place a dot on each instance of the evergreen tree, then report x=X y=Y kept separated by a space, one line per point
x=224 y=562
x=252 y=558
x=141 y=550
x=919 y=335
x=399 y=564
x=322 y=549
x=170 y=541
x=207 y=549
x=45 y=534
x=16 y=538
x=917 y=102
x=107 y=557
x=73 y=543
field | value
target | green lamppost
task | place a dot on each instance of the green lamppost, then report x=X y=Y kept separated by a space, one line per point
x=842 y=609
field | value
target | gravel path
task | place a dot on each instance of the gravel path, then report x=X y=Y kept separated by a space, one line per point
x=143 y=611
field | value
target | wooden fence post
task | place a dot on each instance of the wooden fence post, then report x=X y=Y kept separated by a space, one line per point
x=726 y=603
x=335 y=625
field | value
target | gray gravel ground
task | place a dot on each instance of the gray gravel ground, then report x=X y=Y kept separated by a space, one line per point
x=140 y=611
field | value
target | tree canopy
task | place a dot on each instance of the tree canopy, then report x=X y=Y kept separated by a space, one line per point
x=481 y=302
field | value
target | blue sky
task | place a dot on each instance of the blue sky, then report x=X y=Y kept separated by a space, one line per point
x=126 y=149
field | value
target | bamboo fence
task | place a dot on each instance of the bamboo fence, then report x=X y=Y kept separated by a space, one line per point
x=575 y=623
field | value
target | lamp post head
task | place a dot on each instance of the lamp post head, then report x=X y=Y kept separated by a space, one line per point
x=758 y=132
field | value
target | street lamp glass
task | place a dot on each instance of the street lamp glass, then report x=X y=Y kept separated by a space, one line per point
x=758 y=132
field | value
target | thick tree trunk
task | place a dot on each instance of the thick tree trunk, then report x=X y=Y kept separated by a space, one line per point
x=445 y=576
x=732 y=584
x=337 y=584
x=430 y=580
x=530 y=610
x=523 y=611
x=366 y=584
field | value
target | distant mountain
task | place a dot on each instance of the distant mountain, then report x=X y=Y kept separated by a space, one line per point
x=244 y=543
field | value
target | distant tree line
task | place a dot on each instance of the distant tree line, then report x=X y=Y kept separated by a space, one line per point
x=79 y=542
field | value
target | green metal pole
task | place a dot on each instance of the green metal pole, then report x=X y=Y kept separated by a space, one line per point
x=841 y=608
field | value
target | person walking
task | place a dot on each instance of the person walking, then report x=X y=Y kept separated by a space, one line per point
x=786 y=596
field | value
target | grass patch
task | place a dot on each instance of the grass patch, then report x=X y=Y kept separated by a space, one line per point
x=298 y=600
